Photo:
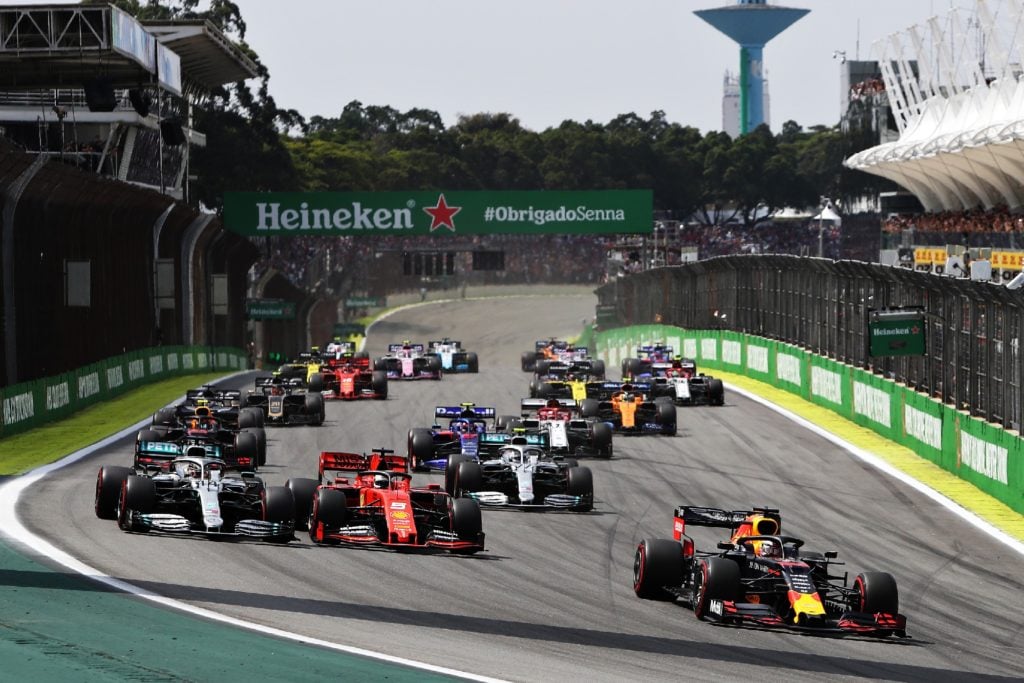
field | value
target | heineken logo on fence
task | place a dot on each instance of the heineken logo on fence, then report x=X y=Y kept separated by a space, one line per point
x=438 y=213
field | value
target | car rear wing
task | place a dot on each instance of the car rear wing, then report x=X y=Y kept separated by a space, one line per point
x=470 y=412
x=395 y=348
x=339 y=461
x=716 y=517
x=529 y=406
x=496 y=439
x=434 y=343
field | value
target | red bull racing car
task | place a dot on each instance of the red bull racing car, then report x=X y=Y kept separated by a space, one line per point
x=760 y=577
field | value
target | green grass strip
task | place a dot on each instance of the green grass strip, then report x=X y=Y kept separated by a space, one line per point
x=22 y=452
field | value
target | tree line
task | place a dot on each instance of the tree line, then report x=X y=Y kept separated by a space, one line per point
x=253 y=144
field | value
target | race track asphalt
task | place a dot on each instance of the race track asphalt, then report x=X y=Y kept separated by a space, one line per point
x=551 y=598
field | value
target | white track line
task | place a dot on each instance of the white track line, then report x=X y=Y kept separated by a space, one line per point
x=12 y=528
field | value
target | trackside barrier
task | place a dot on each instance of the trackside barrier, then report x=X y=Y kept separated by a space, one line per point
x=32 y=404
x=981 y=453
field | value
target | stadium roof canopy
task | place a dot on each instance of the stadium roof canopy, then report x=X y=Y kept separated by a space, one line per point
x=64 y=46
x=961 y=119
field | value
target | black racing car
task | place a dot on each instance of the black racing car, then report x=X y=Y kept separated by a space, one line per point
x=760 y=577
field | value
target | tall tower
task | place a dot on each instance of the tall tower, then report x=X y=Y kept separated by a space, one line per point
x=751 y=23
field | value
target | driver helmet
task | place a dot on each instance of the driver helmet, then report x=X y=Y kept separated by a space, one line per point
x=769 y=548
x=460 y=427
x=381 y=481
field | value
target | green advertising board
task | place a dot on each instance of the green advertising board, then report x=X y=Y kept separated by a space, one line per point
x=268 y=214
x=899 y=332
x=269 y=309
x=366 y=302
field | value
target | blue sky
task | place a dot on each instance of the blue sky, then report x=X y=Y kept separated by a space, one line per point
x=545 y=61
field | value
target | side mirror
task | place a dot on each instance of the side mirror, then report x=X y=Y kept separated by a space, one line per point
x=831 y=554
x=722 y=545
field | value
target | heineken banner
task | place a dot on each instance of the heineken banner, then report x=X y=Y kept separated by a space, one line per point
x=438 y=213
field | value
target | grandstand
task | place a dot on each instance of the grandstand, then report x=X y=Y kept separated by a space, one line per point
x=957 y=95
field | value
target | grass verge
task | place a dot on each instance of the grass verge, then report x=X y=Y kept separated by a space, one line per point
x=51 y=442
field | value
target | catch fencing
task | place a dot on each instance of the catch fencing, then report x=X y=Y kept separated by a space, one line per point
x=973 y=329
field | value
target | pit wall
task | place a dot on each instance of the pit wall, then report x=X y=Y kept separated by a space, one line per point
x=985 y=455
x=31 y=404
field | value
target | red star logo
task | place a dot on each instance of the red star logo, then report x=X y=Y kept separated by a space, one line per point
x=442 y=214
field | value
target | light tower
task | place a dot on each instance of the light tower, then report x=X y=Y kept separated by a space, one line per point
x=751 y=23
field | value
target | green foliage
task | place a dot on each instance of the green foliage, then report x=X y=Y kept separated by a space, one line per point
x=255 y=145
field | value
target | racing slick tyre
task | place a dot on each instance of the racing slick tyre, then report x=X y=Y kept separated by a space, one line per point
x=261 y=444
x=542 y=389
x=589 y=407
x=602 y=438
x=666 y=417
x=109 y=481
x=715 y=578
x=472 y=362
x=876 y=592
x=451 y=469
x=329 y=512
x=466 y=522
x=541 y=367
x=534 y=383
x=716 y=392
x=501 y=423
x=279 y=506
x=434 y=364
x=528 y=361
x=148 y=435
x=303 y=491
x=421 y=447
x=247 y=418
x=379 y=384
x=246 y=446
x=580 y=482
x=468 y=478
x=597 y=369
x=315 y=383
x=315 y=409
x=165 y=417
x=138 y=494
x=658 y=563
x=631 y=367
x=380 y=364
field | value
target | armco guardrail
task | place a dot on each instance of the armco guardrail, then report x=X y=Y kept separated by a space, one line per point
x=31 y=404
x=979 y=452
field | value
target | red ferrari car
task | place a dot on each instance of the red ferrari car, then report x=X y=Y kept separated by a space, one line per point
x=352 y=379
x=379 y=506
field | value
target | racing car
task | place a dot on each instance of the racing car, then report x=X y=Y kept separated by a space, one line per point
x=409 y=361
x=679 y=380
x=224 y=404
x=763 y=578
x=288 y=401
x=521 y=475
x=172 y=435
x=646 y=357
x=429 y=448
x=453 y=357
x=380 y=507
x=566 y=380
x=627 y=409
x=195 y=495
x=568 y=433
x=345 y=380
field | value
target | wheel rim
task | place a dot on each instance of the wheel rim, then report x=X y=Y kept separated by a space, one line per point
x=638 y=567
x=698 y=592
